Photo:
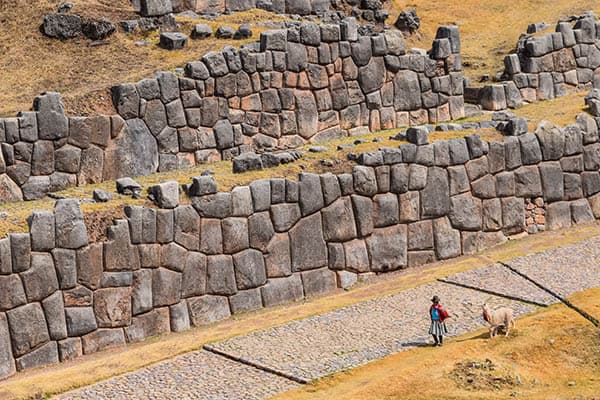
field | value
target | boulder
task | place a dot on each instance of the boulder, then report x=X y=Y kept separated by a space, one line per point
x=98 y=29
x=246 y=300
x=308 y=249
x=201 y=31
x=62 y=26
x=71 y=232
x=249 y=269
x=155 y=8
x=408 y=21
x=224 y=32
x=208 y=309
x=166 y=195
x=446 y=239
x=112 y=307
x=80 y=320
x=173 y=40
x=40 y=280
x=318 y=281
x=282 y=290
x=388 y=248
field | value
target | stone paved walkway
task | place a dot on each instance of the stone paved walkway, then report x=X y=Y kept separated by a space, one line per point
x=353 y=335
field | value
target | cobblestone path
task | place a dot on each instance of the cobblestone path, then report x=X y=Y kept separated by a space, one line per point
x=351 y=336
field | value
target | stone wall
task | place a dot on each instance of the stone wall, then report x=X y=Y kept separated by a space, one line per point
x=303 y=84
x=280 y=240
x=549 y=66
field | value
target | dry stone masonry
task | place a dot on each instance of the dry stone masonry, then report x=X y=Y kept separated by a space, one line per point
x=279 y=240
x=306 y=83
x=549 y=66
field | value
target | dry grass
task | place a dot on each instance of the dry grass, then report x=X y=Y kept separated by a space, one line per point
x=16 y=216
x=31 y=63
x=489 y=29
x=99 y=366
x=548 y=350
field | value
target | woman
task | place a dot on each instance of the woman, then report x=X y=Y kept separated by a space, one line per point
x=438 y=315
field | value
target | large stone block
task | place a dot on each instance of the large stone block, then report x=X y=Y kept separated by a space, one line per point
x=246 y=300
x=552 y=181
x=42 y=356
x=385 y=210
x=208 y=309
x=89 y=265
x=12 y=294
x=213 y=205
x=7 y=362
x=465 y=212
x=278 y=262
x=152 y=323
x=20 y=251
x=365 y=180
x=420 y=235
x=338 y=221
x=531 y=152
x=51 y=120
x=282 y=290
x=220 y=275
x=558 y=215
x=102 y=339
x=187 y=227
x=235 y=234
x=311 y=194
x=54 y=309
x=387 y=248
x=193 y=282
x=80 y=320
x=308 y=249
x=71 y=232
x=121 y=156
x=318 y=281
x=249 y=269
x=435 y=197
x=407 y=91
x=356 y=257
x=166 y=287
x=446 y=239
x=41 y=226
x=27 y=327
x=528 y=183
x=581 y=211
x=513 y=215
x=179 y=316
x=141 y=291
x=551 y=139
x=40 y=280
x=112 y=307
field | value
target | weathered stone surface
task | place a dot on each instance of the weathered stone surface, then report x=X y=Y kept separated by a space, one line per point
x=446 y=239
x=551 y=139
x=121 y=157
x=241 y=201
x=220 y=275
x=141 y=292
x=310 y=195
x=71 y=232
x=558 y=215
x=179 y=316
x=80 y=320
x=528 y=182
x=20 y=251
x=166 y=287
x=420 y=235
x=187 y=227
x=166 y=194
x=475 y=242
x=246 y=300
x=435 y=196
x=581 y=211
x=27 y=327
x=365 y=181
x=152 y=323
x=387 y=248
x=69 y=349
x=531 y=152
x=12 y=293
x=112 y=307
x=277 y=256
x=42 y=356
x=213 y=206
x=54 y=309
x=356 y=256
x=338 y=221
x=261 y=194
x=308 y=249
x=513 y=215
x=318 y=281
x=235 y=235
x=385 y=210
x=7 y=363
x=40 y=280
x=102 y=339
x=249 y=269
x=208 y=309
x=51 y=119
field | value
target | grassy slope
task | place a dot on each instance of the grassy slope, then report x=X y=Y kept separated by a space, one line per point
x=548 y=350
x=93 y=368
x=31 y=63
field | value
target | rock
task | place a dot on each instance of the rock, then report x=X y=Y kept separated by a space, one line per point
x=220 y=275
x=152 y=323
x=311 y=194
x=516 y=126
x=112 y=307
x=41 y=226
x=387 y=248
x=65 y=7
x=102 y=339
x=224 y=32
x=408 y=21
x=435 y=195
x=581 y=211
x=244 y=31
x=166 y=195
x=102 y=196
x=12 y=293
x=466 y=212
x=418 y=135
x=208 y=309
x=282 y=290
x=155 y=8
x=40 y=280
x=62 y=26
x=128 y=187
x=551 y=140
x=98 y=29
x=365 y=181
x=71 y=232
x=42 y=356
x=346 y=279
x=247 y=162
x=447 y=240
x=318 y=281
x=558 y=215
x=122 y=155
x=173 y=40
x=308 y=249
x=201 y=31
x=249 y=269
x=338 y=221
x=7 y=363
x=80 y=320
